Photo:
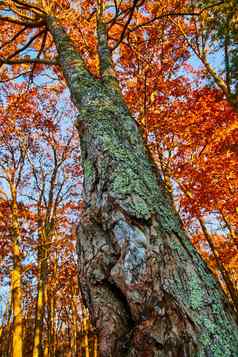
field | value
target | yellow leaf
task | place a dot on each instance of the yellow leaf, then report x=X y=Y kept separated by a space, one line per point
x=153 y=96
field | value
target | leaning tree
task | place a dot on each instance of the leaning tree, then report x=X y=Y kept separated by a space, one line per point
x=148 y=291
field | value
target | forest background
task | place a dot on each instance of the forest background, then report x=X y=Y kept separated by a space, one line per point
x=177 y=66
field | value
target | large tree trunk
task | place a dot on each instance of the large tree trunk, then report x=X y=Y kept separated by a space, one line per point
x=148 y=291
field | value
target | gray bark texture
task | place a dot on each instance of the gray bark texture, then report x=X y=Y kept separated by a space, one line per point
x=148 y=291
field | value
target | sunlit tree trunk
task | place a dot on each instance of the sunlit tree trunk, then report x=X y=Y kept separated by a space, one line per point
x=74 y=336
x=46 y=331
x=85 y=330
x=16 y=281
x=38 y=330
x=40 y=304
x=95 y=346
x=52 y=312
x=74 y=328
x=5 y=329
x=51 y=331
x=148 y=291
x=44 y=231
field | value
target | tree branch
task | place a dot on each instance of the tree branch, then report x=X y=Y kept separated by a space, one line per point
x=32 y=39
x=126 y=24
x=13 y=78
x=103 y=50
x=169 y=14
x=38 y=55
x=29 y=24
x=26 y=60
x=30 y=7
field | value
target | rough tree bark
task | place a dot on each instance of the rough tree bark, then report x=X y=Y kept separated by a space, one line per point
x=148 y=291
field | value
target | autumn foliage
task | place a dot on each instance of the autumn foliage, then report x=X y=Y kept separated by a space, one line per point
x=187 y=110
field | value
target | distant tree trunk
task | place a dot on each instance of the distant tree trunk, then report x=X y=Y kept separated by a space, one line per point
x=148 y=291
x=40 y=303
x=17 y=334
x=233 y=235
x=224 y=274
x=39 y=321
x=5 y=329
x=51 y=332
x=74 y=327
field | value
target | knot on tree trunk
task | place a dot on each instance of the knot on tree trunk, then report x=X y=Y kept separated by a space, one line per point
x=120 y=275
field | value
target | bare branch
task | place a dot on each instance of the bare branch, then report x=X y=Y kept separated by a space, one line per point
x=38 y=55
x=23 y=48
x=30 y=7
x=26 y=60
x=126 y=24
x=176 y=14
x=29 y=24
x=13 y=78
